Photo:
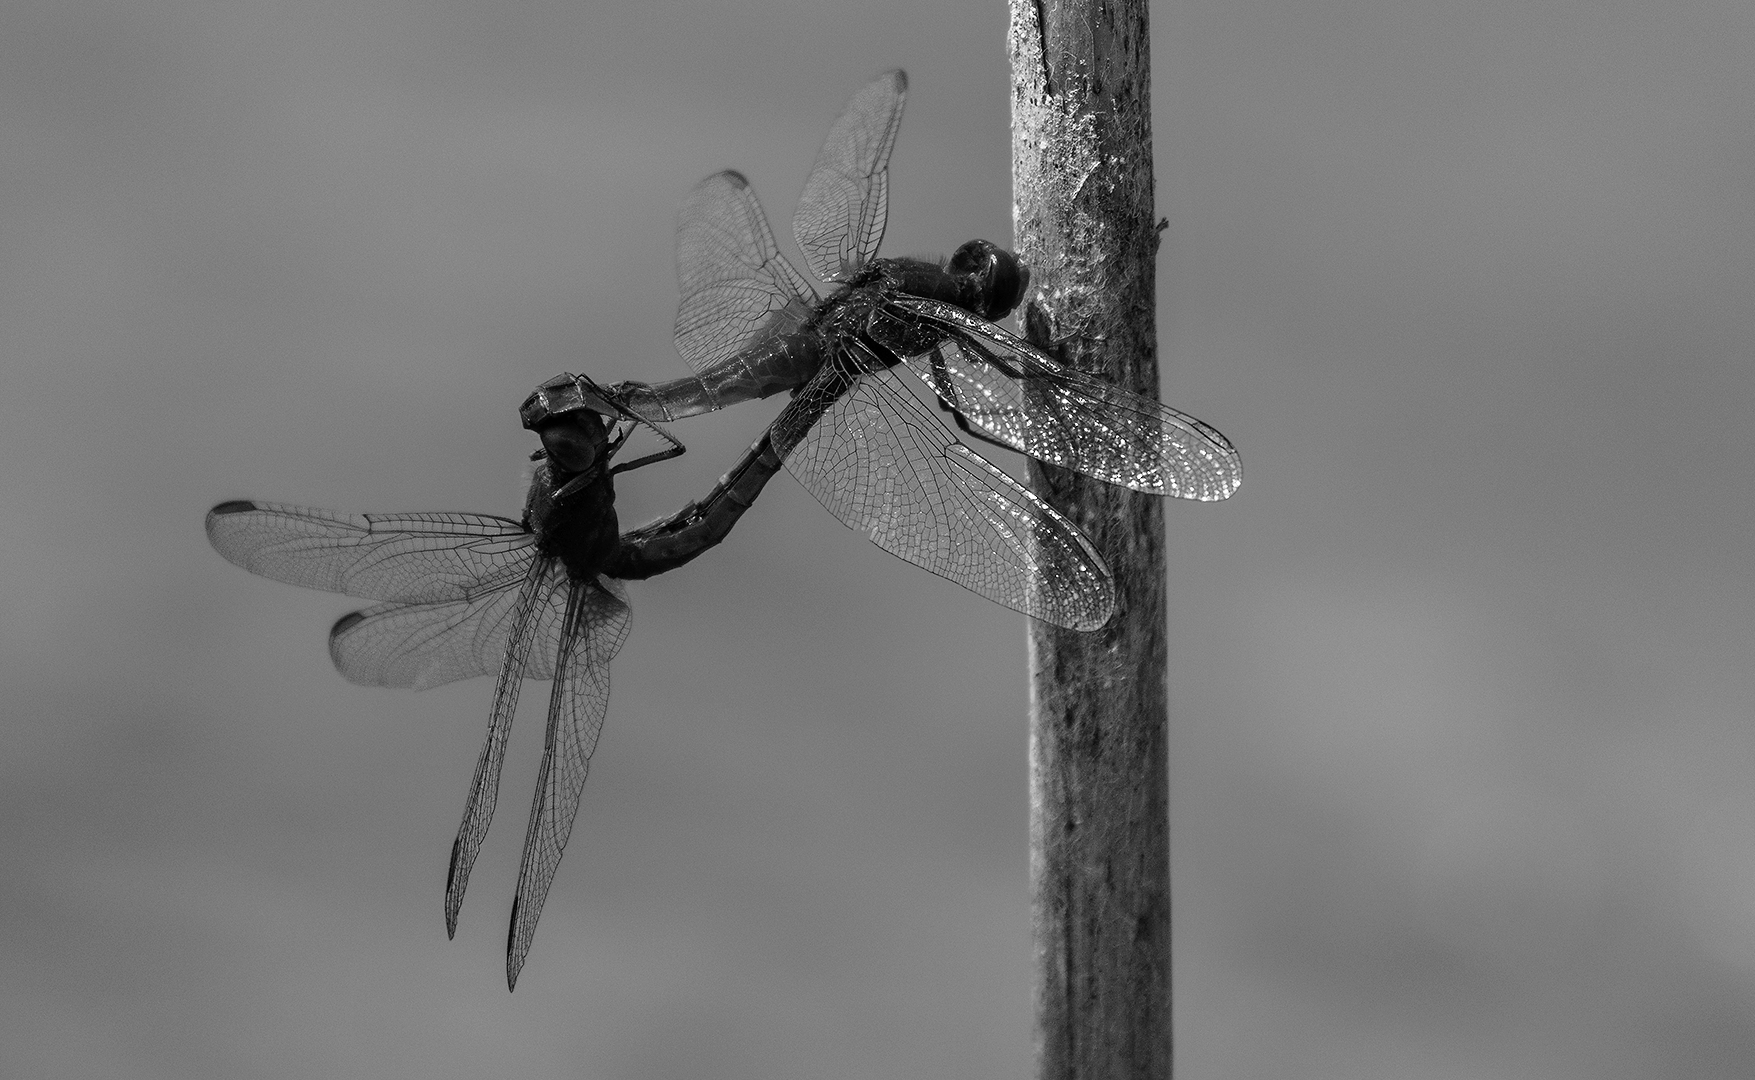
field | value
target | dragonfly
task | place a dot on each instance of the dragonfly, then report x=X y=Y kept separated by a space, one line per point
x=751 y=325
x=460 y=595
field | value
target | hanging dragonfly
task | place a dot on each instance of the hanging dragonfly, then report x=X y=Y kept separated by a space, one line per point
x=751 y=325
x=461 y=595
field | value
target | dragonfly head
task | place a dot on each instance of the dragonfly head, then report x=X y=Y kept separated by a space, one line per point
x=571 y=415
x=1000 y=277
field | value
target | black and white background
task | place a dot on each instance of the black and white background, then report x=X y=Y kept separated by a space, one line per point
x=1462 y=681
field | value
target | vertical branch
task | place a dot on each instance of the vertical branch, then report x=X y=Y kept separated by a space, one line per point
x=1099 y=819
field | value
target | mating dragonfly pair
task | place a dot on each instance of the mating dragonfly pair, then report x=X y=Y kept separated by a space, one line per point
x=460 y=595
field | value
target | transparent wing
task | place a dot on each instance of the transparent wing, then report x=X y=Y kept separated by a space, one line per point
x=406 y=558
x=596 y=623
x=534 y=597
x=840 y=217
x=423 y=645
x=1019 y=396
x=884 y=465
x=736 y=287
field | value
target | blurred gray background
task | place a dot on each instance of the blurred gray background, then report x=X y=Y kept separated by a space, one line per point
x=1463 y=761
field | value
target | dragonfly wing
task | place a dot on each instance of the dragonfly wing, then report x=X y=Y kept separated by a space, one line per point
x=885 y=466
x=840 y=217
x=536 y=599
x=594 y=625
x=405 y=558
x=1016 y=394
x=737 y=288
x=423 y=645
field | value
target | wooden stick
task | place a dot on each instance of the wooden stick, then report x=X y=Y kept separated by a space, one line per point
x=1099 y=820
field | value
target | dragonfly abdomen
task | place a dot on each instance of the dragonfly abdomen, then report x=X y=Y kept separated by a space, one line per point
x=782 y=362
x=669 y=543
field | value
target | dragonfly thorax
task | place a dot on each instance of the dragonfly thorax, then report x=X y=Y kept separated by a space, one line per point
x=575 y=523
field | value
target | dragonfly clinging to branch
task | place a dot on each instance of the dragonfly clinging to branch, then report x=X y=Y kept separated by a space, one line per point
x=751 y=325
x=460 y=595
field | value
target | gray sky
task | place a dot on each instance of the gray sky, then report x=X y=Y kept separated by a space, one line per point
x=1462 y=752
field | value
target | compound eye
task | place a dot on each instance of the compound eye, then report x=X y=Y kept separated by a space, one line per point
x=1000 y=278
x=975 y=258
x=571 y=447
x=1011 y=282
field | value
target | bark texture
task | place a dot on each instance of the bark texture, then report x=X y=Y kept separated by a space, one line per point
x=1099 y=828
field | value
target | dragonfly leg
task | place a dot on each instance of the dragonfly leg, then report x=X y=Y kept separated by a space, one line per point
x=675 y=449
x=970 y=430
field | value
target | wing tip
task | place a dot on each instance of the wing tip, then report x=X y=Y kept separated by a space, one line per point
x=229 y=508
x=725 y=176
x=345 y=623
x=454 y=888
x=1220 y=491
x=1233 y=478
x=336 y=656
x=514 y=953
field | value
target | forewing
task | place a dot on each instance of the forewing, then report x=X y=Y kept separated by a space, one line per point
x=736 y=287
x=884 y=465
x=1015 y=394
x=840 y=217
x=595 y=624
x=406 y=558
x=534 y=598
x=423 y=645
